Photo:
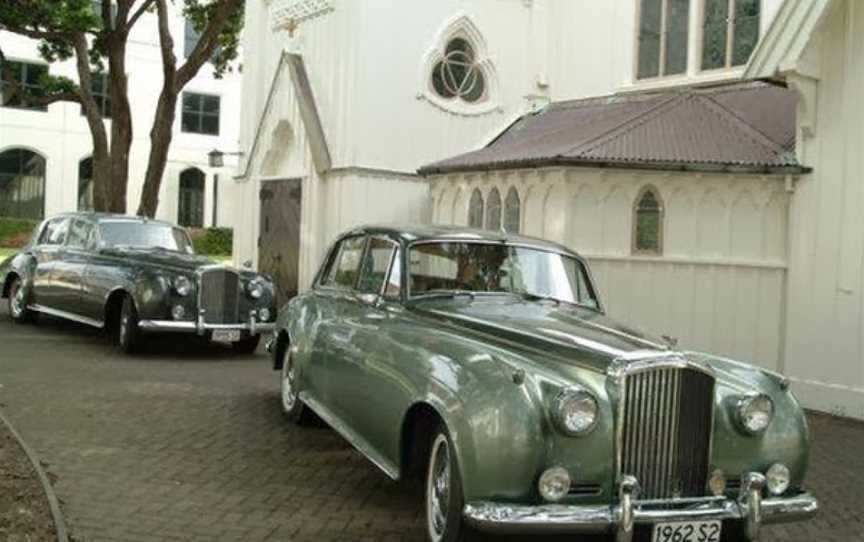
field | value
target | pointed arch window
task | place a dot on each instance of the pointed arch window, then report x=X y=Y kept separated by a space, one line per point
x=648 y=222
x=512 y=211
x=22 y=184
x=190 y=209
x=458 y=75
x=475 y=209
x=85 y=185
x=493 y=210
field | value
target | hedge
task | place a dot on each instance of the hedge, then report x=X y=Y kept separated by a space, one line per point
x=15 y=232
x=213 y=241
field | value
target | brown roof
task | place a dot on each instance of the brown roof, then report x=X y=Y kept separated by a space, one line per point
x=744 y=127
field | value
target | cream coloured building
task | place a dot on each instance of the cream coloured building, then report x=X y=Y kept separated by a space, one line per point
x=629 y=130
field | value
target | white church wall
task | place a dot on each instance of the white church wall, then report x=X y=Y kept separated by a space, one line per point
x=825 y=354
x=719 y=284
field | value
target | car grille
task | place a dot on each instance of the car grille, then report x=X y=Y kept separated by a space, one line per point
x=667 y=420
x=220 y=296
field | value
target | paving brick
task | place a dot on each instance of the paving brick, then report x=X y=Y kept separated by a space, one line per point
x=187 y=444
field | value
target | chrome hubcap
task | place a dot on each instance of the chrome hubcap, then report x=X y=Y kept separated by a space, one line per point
x=438 y=488
x=17 y=297
x=289 y=393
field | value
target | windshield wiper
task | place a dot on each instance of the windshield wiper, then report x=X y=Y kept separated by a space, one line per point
x=437 y=294
x=528 y=296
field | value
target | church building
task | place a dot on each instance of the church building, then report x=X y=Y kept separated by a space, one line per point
x=705 y=156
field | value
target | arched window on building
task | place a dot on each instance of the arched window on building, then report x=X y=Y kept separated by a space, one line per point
x=85 y=185
x=190 y=208
x=512 y=211
x=475 y=209
x=493 y=210
x=22 y=184
x=648 y=222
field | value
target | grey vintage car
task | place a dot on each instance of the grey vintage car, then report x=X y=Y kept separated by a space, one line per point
x=132 y=275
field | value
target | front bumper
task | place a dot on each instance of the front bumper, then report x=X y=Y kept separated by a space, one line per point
x=621 y=518
x=252 y=325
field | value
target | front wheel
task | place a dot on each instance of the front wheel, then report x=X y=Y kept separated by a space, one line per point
x=292 y=406
x=128 y=334
x=18 y=303
x=444 y=498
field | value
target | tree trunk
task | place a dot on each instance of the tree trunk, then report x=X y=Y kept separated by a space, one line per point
x=160 y=141
x=121 y=124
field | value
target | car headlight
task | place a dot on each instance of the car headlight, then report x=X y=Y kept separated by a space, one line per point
x=183 y=286
x=575 y=411
x=777 y=479
x=255 y=289
x=755 y=413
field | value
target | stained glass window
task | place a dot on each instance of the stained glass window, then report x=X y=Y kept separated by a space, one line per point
x=648 y=223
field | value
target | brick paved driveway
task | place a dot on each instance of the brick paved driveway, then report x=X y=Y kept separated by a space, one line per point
x=184 y=444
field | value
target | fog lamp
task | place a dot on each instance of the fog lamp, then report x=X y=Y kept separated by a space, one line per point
x=264 y=315
x=777 y=479
x=554 y=484
x=717 y=483
x=178 y=312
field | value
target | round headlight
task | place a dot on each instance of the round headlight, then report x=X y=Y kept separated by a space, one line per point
x=575 y=411
x=755 y=413
x=183 y=286
x=777 y=479
x=264 y=315
x=255 y=289
x=554 y=484
x=178 y=312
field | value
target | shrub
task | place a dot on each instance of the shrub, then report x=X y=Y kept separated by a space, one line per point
x=213 y=241
x=15 y=232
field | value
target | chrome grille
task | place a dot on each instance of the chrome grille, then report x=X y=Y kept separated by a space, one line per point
x=220 y=296
x=667 y=419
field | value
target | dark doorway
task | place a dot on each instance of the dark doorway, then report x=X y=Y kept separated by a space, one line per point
x=279 y=241
x=190 y=208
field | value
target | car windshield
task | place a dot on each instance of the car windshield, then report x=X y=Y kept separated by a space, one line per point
x=145 y=235
x=450 y=268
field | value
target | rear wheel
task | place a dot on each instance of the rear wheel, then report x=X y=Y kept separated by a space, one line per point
x=292 y=406
x=18 y=303
x=444 y=498
x=247 y=345
x=128 y=334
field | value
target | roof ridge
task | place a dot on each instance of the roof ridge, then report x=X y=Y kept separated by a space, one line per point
x=626 y=125
x=754 y=132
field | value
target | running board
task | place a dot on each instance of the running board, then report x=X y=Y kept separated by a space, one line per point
x=66 y=316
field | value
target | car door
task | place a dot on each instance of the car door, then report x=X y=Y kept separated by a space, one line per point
x=47 y=253
x=335 y=298
x=70 y=268
x=368 y=373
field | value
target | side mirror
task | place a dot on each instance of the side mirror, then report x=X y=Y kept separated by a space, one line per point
x=369 y=299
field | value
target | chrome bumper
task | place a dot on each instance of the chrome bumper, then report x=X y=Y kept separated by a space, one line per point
x=252 y=325
x=621 y=518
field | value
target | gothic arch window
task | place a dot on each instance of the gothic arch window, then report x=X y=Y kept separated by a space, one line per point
x=190 y=208
x=648 y=222
x=85 y=185
x=493 y=210
x=475 y=209
x=458 y=75
x=512 y=211
x=22 y=184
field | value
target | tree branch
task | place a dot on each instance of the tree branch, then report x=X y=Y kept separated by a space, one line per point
x=142 y=9
x=208 y=42
x=166 y=42
x=7 y=77
x=35 y=34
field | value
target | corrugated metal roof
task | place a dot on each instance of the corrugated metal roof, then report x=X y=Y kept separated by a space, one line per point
x=744 y=127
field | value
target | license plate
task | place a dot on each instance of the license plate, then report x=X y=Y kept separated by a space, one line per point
x=689 y=531
x=226 y=335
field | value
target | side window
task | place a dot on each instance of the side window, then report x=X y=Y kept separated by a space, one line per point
x=80 y=234
x=346 y=266
x=55 y=232
x=375 y=265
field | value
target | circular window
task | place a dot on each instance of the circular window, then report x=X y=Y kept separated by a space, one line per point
x=457 y=74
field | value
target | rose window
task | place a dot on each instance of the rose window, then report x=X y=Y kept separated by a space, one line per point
x=457 y=75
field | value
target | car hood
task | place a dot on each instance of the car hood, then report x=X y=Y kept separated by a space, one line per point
x=161 y=258
x=572 y=332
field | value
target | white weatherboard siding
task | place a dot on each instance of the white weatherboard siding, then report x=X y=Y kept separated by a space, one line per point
x=719 y=284
x=825 y=354
x=62 y=137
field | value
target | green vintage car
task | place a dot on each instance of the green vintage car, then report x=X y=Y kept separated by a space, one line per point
x=484 y=363
x=133 y=277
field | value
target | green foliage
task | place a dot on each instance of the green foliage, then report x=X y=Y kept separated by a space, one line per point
x=200 y=12
x=213 y=241
x=15 y=232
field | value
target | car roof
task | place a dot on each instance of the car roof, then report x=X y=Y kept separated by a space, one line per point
x=409 y=233
x=111 y=217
